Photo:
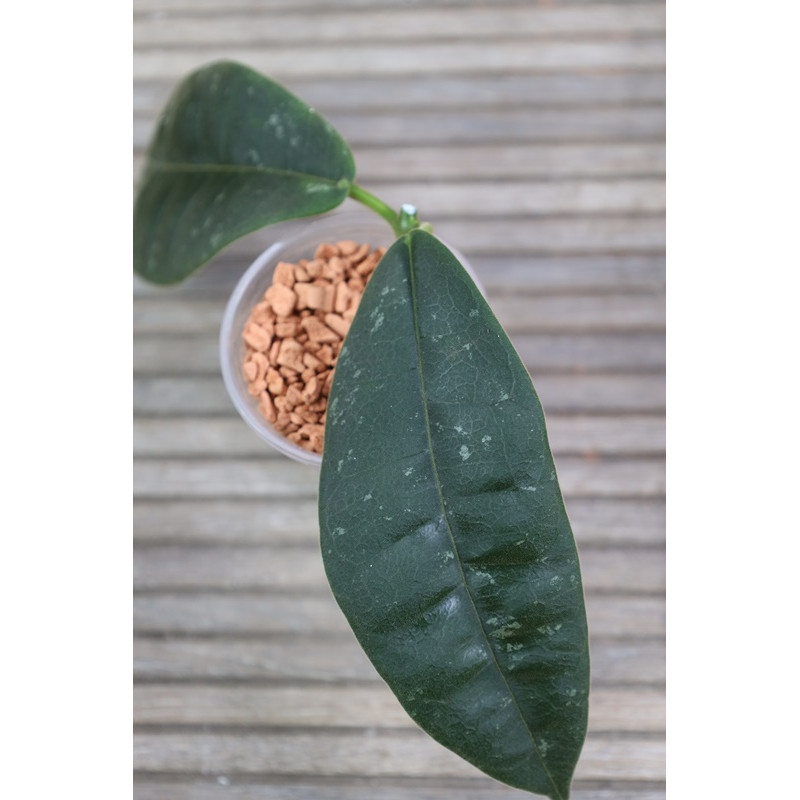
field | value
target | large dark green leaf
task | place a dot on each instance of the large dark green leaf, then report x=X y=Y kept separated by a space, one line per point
x=444 y=534
x=233 y=152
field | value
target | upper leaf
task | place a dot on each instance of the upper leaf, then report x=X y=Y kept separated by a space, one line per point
x=233 y=152
x=443 y=530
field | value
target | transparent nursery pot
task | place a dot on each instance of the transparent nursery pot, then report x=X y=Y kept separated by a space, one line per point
x=359 y=226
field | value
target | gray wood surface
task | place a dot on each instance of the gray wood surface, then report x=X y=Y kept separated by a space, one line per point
x=532 y=135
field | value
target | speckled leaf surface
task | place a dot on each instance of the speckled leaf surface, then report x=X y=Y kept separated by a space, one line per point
x=233 y=152
x=443 y=530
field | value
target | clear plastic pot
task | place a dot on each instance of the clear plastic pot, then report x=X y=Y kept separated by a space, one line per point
x=360 y=226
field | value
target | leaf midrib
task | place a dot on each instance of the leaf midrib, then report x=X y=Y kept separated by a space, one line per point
x=437 y=481
x=187 y=166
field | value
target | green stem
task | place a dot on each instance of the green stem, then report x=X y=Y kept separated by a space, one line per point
x=377 y=205
x=401 y=223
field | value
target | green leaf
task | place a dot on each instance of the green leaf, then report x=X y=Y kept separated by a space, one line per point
x=443 y=530
x=233 y=152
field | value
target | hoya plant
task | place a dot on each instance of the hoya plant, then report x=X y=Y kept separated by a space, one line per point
x=442 y=527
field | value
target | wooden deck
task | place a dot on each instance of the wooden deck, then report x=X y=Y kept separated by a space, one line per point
x=531 y=135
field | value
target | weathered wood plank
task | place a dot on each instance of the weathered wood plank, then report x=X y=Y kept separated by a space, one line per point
x=299 y=569
x=528 y=161
x=540 y=352
x=595 y=521
x=407 y=753
x=181 y=396
x=262 y=26
x=365 y=93
x=551 y=235
x=517 y=162
x=165 y=314
x=573 y=394
x=183 y=7
x=635 y=710
x=238 y=521
x=584 y=435
x=631 y=662
x=224 y=787
x=226 y=438
x=555 y=195
x=604 y=313
x=597 y=352
x=282 y=478
x=569 y=274
x=387 y=129
x=506 y=125
x=501 y=198
x=417 y=59
x=265 y=478
x=500 y=275
x=642 y=195
x=251 y=614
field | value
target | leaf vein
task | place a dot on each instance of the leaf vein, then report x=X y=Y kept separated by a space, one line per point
x=437 y=481
x=260 y=169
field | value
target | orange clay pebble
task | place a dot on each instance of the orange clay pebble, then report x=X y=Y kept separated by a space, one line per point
x=294 y=334
x=249 y=371
x=319 y=332
x=257 y=337
x=285 y=274
x=338 y=324
x=281 y=298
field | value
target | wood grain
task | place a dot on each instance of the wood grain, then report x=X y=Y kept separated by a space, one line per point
x=389 y=59
x=637 y=710
x=365 y=753
x=512 y=162
x=388 y=129
x=569 y=435
x=262 y=26
x=224 y=787
x=274 y=478
x=198 y=354
x=165 y=8
x=299 y=568
x=365 y=93
x=523 y=274
x=257 y=614
x=203 y=662
x=609 y=313
x=596 y=521
x=568 y=394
